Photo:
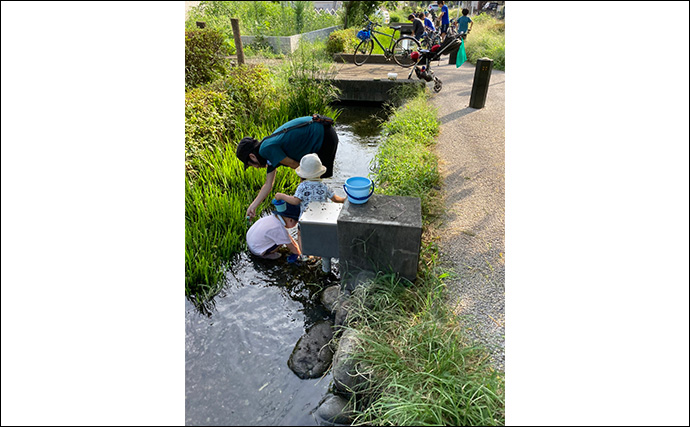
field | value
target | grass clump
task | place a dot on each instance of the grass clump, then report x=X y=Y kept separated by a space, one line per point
x=423 y=370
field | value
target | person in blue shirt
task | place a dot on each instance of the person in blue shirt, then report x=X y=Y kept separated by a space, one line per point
x=463 y=22
x=445 y=19
x=428 y=23
x=287 y=149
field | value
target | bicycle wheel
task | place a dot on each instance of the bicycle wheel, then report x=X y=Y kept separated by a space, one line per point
x=363 y=51
x=402 y=51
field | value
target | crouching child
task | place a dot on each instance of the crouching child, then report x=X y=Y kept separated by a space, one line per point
x=269 y=233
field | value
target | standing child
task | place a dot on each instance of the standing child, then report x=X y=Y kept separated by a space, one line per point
x=311 y=189
x=463 y=22
x=269 y=233
x=445 y=19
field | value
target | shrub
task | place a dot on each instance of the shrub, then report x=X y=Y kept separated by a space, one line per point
x=343 y=41
x=207 y=118
x=205 y=55
x=251 y=93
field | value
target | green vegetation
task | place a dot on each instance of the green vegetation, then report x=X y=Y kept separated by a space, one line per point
x=261 y=18
x=342 y=41
x=204 y=56
x=240 y=101
x=487 y=39
x=405 y=162
x=423 y=370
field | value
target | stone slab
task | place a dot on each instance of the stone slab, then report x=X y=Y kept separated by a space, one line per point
x=383 y=234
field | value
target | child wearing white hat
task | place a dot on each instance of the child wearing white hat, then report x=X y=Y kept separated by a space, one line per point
x=311 y=189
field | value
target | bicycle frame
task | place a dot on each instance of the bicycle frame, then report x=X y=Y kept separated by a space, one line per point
x=386 y=52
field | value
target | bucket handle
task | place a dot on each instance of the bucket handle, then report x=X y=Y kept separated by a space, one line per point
x=360 y=198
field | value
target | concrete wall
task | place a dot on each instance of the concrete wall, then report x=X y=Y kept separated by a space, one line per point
x=384 y=234
x=371 y=90
x=287 y=45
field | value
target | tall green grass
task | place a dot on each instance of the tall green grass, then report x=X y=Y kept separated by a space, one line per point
x=423 y=370
x=487 y=39
x=405 y=164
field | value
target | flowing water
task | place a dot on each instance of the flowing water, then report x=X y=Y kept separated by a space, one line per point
x=236 y=354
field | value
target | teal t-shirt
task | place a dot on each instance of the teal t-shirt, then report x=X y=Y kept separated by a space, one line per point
x=463 y=22
x=295 y=143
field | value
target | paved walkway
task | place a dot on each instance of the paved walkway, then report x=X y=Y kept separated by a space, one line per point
x=471 y=149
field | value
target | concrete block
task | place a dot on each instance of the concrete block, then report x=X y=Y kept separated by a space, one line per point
x=319 y=229
x=384 y=234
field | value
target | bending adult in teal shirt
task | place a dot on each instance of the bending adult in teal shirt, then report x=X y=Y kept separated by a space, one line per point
x=287 y=149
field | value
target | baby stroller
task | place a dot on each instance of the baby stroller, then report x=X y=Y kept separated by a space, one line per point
x=423 y=58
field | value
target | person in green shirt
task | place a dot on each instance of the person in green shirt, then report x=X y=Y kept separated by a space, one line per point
x=301 y=136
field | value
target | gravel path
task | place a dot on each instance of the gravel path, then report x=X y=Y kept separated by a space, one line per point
x=471 y=236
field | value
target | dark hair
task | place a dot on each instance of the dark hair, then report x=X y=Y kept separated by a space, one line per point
x=465 y=12
x=420 y=15
x=247 y=146
x=410 y=17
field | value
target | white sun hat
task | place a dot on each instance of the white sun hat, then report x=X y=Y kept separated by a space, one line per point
x=310 y=167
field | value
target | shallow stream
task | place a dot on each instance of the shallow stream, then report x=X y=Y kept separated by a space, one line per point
x=236 y=355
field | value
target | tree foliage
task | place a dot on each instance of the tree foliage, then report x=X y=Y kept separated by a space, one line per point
x=356 y=10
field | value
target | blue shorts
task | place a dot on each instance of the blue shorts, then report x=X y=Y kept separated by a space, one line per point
x=444 y=28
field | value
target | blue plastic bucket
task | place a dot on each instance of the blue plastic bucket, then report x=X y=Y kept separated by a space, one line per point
x=358 y=189
x=279 y=205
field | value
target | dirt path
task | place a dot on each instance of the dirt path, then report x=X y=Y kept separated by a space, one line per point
x=471 y=236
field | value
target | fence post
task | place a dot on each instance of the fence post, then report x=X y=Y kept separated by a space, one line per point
x=238 y=40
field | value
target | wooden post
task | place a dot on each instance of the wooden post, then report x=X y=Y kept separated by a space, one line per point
x=238 y=40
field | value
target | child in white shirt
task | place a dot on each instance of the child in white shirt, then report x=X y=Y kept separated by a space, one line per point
x=269 y=233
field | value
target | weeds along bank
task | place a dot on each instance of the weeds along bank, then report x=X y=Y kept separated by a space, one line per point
x=487 y=39
x=421 y=369
x=222 y=105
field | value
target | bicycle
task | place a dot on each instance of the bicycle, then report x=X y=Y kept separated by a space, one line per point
x=400 y=49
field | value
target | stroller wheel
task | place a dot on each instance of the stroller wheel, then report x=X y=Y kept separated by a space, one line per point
x=437 y=85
